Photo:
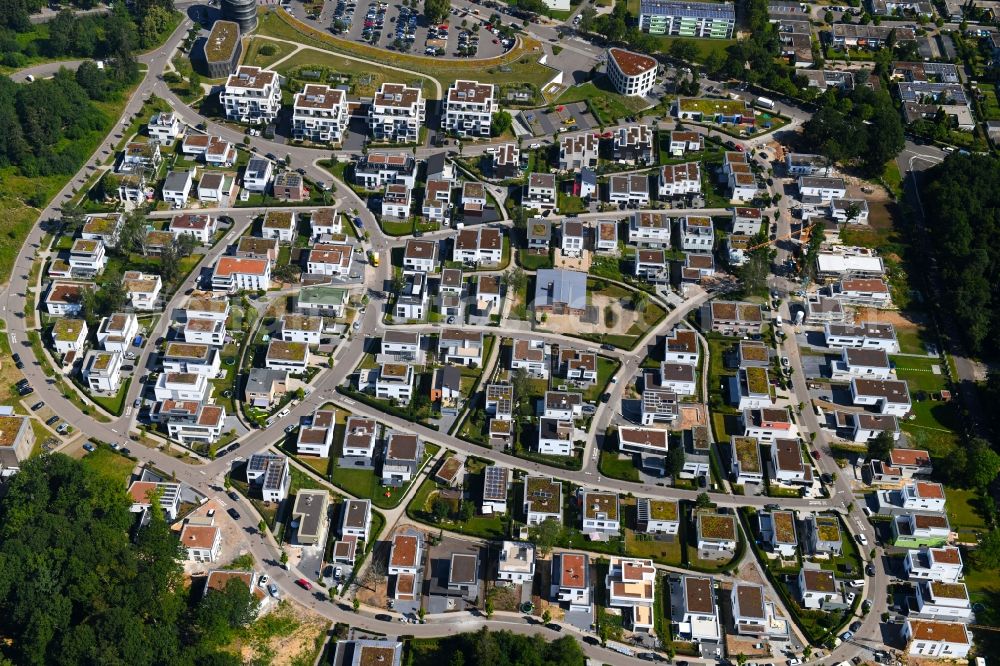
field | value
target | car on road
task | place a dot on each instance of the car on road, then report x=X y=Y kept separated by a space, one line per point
x=553 y=626
x=383 y=617
x=233 y=513
x=870 y=569
x=605 y=397
x=591 y=640
x=856 y=626
x=38 y=405
x=233 y=495
x=137 y=403
x=304 y=584
x=356 y=325
x=862 y=539
x=52 y=419
x=847 y=635
x=89 y=447
x=608 y=346
x=290 y=429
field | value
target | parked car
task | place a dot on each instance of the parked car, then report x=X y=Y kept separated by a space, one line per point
x=38 y=405
x=233 y=495
x=383 y=617
x=304 y=584
x=273 y=590
x=233 y=513
x=862 y=539
x=89 y=447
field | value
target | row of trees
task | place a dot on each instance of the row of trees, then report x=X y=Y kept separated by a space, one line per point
x=75 y=588
x=962 y=211
x=499 y=647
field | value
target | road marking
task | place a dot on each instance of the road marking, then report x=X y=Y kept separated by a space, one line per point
x=202 y=472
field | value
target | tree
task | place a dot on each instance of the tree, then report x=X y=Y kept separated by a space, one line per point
x=284 y=559
x=356 y=604
x=684 y=49
x=546 y=616
x=986 y=556
x=703 y=501
x=220 y=612
x=515 y=279
x=501 y=123
x=983 y=464
x=828 y=18
x=436 y=10
x=489 y=609
x=546 y=535
x=639 y=299
x=466 y=511
x=421 y=613
x=675 y=461
x=440 y=508
x=880 y=447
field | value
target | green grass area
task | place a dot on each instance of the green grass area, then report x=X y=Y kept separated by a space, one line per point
x=534 y=262
x=965 y=513
x=711 y=106
x=109 y=464
x=397 y=227
x=520 y=65
x=366 y=483
x=918 y=373
x=911 y=340
x=606 y=104
x=617 y=466
x=421 y=508
x=705 y=47
x=252 y=53
x=662 y=552
x=116 y=403
x=365 y=78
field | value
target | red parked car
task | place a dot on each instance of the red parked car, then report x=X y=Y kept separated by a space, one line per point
x=304 y=584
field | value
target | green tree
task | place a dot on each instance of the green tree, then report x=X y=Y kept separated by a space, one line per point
x=703 y=501
x=546 y=616
x=828 y=18
x=436 y=10
x=675 y=461
x=546 y=535
x=489 y=609
x=501 y=123
x=880 y=447
x=221 y=612
x=356 y=604
x=440 y=508
x=983 y=464
x=639 y=299
x=684 y=49
x=986 y=556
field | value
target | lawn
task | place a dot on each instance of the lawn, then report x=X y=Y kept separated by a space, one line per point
x=109 y=464
x=661 y=552
x=911 y=340
x=253 y=56
x=712 y=106
x=918 y=374
x=617 y=466
x=603 y=101
x=534 y=262
x=519 y=65
x=964 y=513
x=114 y=404
x=365 y=79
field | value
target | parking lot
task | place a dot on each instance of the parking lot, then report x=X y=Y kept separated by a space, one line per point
x=394 y=27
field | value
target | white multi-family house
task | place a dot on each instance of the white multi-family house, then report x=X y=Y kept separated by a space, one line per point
x=651 y=265
x=252 y=95
x=196 y=358
x=542 y=500
x=166 y=495
x=202 y=543
x=280 y=225
x=378 y=168
x=420 y=256
x=292 y=357
x=516 y=562
x=478 y=246
x=789 y=463
x=747 y=220
x=139 y=156
x=650 y=229
x=117 y=332
x=181 y=386
x=919 y=496
x=681 y=378
x=301 y=328
x=360 y=435
x=572 y=242
x=747 y=466
x=506 y=161
x=317 y=438
x=935 y=600
x=143 y=289
x=413 y=299
x=943 y=564
x=320 y=114
x=864 y=426
x=461 y=347
x=400 y=345
x=403 y=456
x=685 y=141
x=333 y=259
x=562 y=405
x=533 y=356
x=234 y=274
x=629 y=189
x=643 y=441
x=912 y=462
x=199 y=226
x=930 y=639
x=396 y=201
x=658 y=406
x=405 y=564
x=571 y=581
x=87 y=258
x=196 y=424
x=220 y=153
x=804 y=164
x=867 y=292
x=822 y=188
x=102 y=370
x=397 y=113
x=632 y=74
x=887 y=396
x=633 y=144
x=395 y=382
x=468 y=108
x=768 y=424
x=862 y=363
x=717 y=533
x=753 y=614
x=697 y=616
x=69 y=335
x=164 y=127
x=325 y=222
x=697 y=234
x=822 y=534
x=104 y=227
x=867 y=335
x=437 y=200
x=473 y=199
x=849 y=210
x=679 y=179
x=578 y=152
x=599 y=512
x=258 y=173
x=631 y=586
x=356 y=518
x=606 y=236
x=578 y=365
x=555 y=437
x=540 y=192
x=657 y=516
x=778 y=531
x=270 y=473
x=816 y=588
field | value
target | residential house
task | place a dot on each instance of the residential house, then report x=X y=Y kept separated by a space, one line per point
x=257 y=175
x=478 y=246
x=659 y=406
x=461 y=347
x=264 y=387
x=309 y=513
x=651 y=229
x=629 y=189
x=768 y=424
x=943 y=564
x=936 y=600
x=365 y=652
x=578 y=151
x=753 y=614
x=867 y=335
x=331 y=259
x=753 y=354
x=181 y=386
x=696 y=616
x=681 y=346
x=747 y=220
x=437 y=201
x=395 y=382
x=102 y=371
x=138 y=156
x=688 y=19
x=571 y=581
x=578 y=365
x=281 y=225
x=866 y=292
x=400 y=345
x=69 y=335
x=816 y=587
x=446 y=388
x=632 y=74
x=404 y=454
x=822 y=188
x=356 y=518
x=717 y=533
x=411 y=303
x=420 y=256
x=167 y=496
x=862 y=363
x=397 y=113
x=747 y=466
x=293 y=357
x=562 y=405
x=322 y=300
x=804 y=164
x=916 y=530
x=463 y=575
x=732 y=318
x=697 y=234
x=164 y=127
x=887 y=396
x=542 y=500
x=555 y=437
x=506 y=161
x=87 y=258
x=496 y=486
x=516 y=562
x=778 y=531
x=789 y=463
x=651 y=265
x=289 y=186
x=252 y=95
x=316 y=438
x=143 y=289
x=199 y=226
x=676 y=180
x=376 y=169
x=325 y=222
x=406 y=564
x=233 y=274
x=104 y=227
x=912 y=462
x=682 y=141
x=201 y=543
x=930 y=639
x=500 y=401
x=657 y=516
x=606 y=236
x=269 y=473
x=17 y=441
x=177 y=187
x=540 y=193
x=631 y=585
x=633 y=144
x=251 y=247
x=117 y=332
x=572 y=238
x=533 y=356
x=360 y=435
x=864 y=426
x=681 y=378
x=823 y=535
x=320 y=114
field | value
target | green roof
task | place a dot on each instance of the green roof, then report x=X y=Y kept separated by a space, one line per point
x=748 y=453
x=67 y=330
x=663 y=509
x=827 y=528
x=756 y=380
x=715 y=526
x=712 y=106
x=323 y=295
x=222 y=41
